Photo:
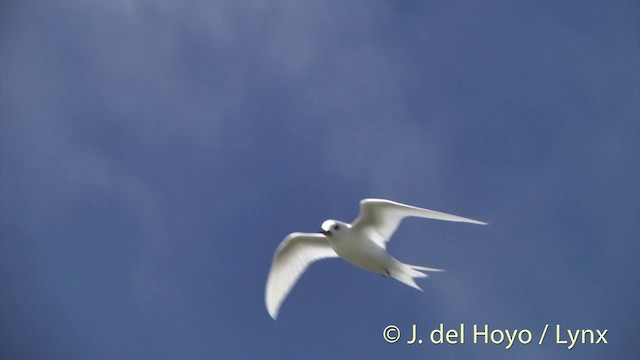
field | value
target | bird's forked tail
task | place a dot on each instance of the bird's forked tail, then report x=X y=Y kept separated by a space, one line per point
x=407 y=274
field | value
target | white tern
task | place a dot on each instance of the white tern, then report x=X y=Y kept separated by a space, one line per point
x=362 y=243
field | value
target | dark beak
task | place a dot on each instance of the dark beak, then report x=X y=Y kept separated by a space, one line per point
x=325 y=233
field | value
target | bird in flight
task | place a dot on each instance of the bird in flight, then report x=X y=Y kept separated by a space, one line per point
x=362 y=243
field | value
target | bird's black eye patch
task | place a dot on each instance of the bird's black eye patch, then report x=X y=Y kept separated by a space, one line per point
x=336 y=227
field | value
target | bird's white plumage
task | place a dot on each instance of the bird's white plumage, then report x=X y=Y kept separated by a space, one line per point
x=362 y=243
x=296 y=252
x=380 y=218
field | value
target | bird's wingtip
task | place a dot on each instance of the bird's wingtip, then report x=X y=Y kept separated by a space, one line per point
x=272 y=310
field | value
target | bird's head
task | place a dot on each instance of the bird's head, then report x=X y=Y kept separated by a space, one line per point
x=333 y=227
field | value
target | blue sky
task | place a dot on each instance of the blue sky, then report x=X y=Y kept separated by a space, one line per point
x=154 y=154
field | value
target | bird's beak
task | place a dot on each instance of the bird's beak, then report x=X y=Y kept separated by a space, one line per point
x=324 y=232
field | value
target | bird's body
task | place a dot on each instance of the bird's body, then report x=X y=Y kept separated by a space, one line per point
x=361 y=243
x=360 y=251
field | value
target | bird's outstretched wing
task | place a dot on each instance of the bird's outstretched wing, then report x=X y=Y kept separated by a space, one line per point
x=292 y=257
x=380 y=218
